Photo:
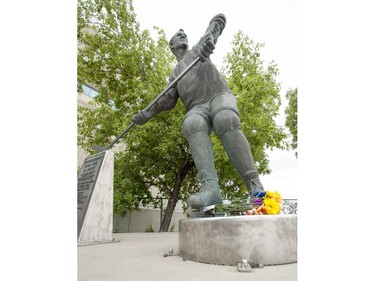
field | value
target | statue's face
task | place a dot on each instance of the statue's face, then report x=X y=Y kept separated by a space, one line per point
x=179 y=40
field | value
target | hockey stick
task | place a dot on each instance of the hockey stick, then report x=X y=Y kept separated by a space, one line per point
x=99 y=148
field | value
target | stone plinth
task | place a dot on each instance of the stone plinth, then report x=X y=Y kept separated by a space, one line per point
x=265 y=239
x=95 y=199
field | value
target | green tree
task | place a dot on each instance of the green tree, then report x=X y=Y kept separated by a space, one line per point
x=128 y=68
x=292 y=117
x=258 y=98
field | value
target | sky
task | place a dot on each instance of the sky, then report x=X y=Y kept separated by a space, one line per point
x=272 y=22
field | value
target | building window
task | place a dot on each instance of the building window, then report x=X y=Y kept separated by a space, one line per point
x=88 y=91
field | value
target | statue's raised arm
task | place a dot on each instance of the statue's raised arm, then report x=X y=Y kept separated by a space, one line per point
x=207 y=43
x=214 y=29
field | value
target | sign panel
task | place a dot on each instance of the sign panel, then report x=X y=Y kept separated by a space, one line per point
x=86 y=182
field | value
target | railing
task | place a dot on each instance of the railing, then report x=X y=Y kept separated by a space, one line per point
x=289 y=206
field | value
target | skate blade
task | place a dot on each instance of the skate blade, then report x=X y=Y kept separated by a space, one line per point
x=202 y=212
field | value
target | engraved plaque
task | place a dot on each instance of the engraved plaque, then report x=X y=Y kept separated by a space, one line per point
x=87 y=177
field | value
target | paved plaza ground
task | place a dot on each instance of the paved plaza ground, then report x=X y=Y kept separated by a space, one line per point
x=140 y=256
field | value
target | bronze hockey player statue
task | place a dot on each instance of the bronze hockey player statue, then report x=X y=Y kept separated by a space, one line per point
x=210 y=107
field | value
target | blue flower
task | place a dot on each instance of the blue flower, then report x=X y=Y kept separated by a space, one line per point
x=259 y=194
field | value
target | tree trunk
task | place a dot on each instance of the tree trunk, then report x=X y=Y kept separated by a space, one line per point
x=181 y=174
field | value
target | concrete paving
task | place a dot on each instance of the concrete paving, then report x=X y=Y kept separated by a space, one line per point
x=140 y=256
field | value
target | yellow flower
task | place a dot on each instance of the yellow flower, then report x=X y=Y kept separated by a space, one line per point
x=269 y=194
x=272 y=206
x=275 y=195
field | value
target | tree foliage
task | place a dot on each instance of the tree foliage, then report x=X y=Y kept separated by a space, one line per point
x=258 y=98
x=292 y=117
x=123 y=63
x=129 y=69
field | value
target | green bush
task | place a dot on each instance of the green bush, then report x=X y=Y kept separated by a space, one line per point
x=149 y=228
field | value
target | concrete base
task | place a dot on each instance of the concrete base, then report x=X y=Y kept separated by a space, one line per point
x=265 y=239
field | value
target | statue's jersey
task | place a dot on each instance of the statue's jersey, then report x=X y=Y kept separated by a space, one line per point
x=202 y=82
x=199 y=84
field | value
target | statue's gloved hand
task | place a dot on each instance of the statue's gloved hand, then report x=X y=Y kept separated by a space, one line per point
x=206 y=50
x=141 y=117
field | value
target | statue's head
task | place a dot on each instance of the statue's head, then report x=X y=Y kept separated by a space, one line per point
x=179 y=42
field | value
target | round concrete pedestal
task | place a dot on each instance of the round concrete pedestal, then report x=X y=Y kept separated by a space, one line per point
x=265 y=239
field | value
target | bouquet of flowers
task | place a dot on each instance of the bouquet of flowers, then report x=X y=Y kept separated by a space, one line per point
x=264 y=203
x=271 y=205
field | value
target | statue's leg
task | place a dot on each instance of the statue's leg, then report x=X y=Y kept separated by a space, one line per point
x=196 y=131
x=227 y=126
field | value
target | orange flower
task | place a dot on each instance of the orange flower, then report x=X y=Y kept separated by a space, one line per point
x=261 y=210
x=250 y=212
